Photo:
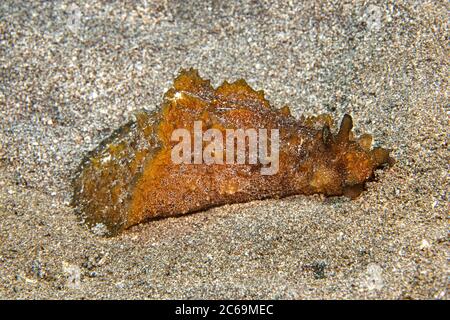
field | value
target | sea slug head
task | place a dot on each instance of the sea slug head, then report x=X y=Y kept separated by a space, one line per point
x=346 y=163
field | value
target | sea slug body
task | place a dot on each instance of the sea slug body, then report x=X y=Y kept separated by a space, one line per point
x=131 y=176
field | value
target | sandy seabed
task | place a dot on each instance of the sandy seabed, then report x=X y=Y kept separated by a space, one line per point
x=71 y=72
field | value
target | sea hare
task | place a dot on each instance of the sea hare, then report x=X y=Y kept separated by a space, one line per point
x=131 y=176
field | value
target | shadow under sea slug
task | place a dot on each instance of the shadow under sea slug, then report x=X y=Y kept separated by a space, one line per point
x=132 y=176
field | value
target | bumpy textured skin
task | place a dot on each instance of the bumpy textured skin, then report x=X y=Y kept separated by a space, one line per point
x=130 y=178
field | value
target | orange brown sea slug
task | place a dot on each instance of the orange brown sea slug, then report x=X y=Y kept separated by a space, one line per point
x=131 y=176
